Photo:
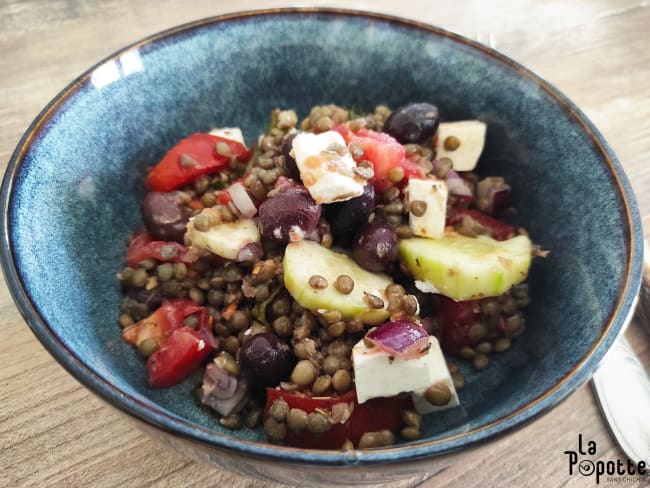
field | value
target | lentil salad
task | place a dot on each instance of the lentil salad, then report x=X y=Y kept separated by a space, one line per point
x=285 y=287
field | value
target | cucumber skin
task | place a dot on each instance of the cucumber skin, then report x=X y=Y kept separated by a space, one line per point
x=305 y=258
x=466 y=268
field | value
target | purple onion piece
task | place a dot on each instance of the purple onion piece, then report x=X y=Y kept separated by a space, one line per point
x=493 y=195
x=400 y=338
x=456 y=184
x=250 y=252
x=223 y=392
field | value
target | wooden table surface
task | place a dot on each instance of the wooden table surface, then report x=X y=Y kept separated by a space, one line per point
x=53 y=432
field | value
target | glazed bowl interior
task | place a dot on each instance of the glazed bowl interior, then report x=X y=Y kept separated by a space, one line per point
x=71 y=197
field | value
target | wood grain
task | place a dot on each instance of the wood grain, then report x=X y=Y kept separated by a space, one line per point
x=53 y=432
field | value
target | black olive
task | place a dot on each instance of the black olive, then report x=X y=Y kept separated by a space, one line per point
x=375 y=247
x=289 y=161
x=348 y=216
x=266 y=360
x=413 y=123
x=164 y=216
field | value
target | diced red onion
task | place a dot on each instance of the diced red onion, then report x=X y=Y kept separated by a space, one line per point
x=493 y=195
x=401 y=339
x=241 y=200
x=250 y=252
x=223 y=392
x=455 y=183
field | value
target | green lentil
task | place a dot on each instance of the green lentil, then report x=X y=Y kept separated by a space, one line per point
x=438 y=394
x=344 y=284
x=412 y=419
x=501 y=344
x=139 y=278
x=410 y=433
x=196 y=295
x=373 y=301
x=337 y=329
x=232 y=421
x=467 y=353
x=215 y=297
x=253 y=417
x=458 y=379
x=275 y=431
x=201 y=222
x=418 y=208
x=297 y=419
x=317 y=282
x=180 y=271
x=126 y=320
x=228 y=363
x=369 y=440
x=396 y=174
x=321 y=384
x=304 y=373
x=480 y=361
x=282 y=325
x=239 y=320
x=230 y=344
x=331 y=364
x=342 y=380
x=279 y=410
x=484 y=347
x=147 y=347
x=451 y=143
x=404 y=231
x=317 y=423
x=477 y=331
x=150 y=263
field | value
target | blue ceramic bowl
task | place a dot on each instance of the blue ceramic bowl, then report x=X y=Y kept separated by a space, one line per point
x=72 y=190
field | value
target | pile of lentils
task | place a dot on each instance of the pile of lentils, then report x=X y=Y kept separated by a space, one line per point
x=320 y=342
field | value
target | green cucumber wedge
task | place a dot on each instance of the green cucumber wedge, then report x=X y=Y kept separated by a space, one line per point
x=465 y=268
x=304 y=259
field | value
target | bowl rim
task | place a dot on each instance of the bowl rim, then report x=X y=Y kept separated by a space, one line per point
x=183 y=428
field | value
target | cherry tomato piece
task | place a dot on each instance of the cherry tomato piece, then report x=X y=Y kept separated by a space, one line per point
x=143 y=246
x=370 y=416
x=457 y=319
x=182 y=353
x=498 y=230
x=192 y=157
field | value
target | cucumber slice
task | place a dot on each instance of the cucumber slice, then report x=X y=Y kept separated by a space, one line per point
x=227 y=239
x=304 y=259
x=465 y=268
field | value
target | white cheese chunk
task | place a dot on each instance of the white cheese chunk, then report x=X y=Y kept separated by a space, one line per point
x=226 y=239
x=232 y=133
x=377 y=375
x=440 y=374
x=434 y=194
x=471 y=134
x=326 y=167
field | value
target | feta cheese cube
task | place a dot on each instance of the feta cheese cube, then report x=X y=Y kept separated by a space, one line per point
x=377 y=374
x=471 y=134
x=434 y=194
x=232 y=133
x=326 y=167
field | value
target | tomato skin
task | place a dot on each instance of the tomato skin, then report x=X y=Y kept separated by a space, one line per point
x=162 y=321
x=200 y=151
x=498 y=230
x=372 y=415
x=457 y=319
x=182 y=353
x=384 y=152
x=143 y=246
x=179 y=354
